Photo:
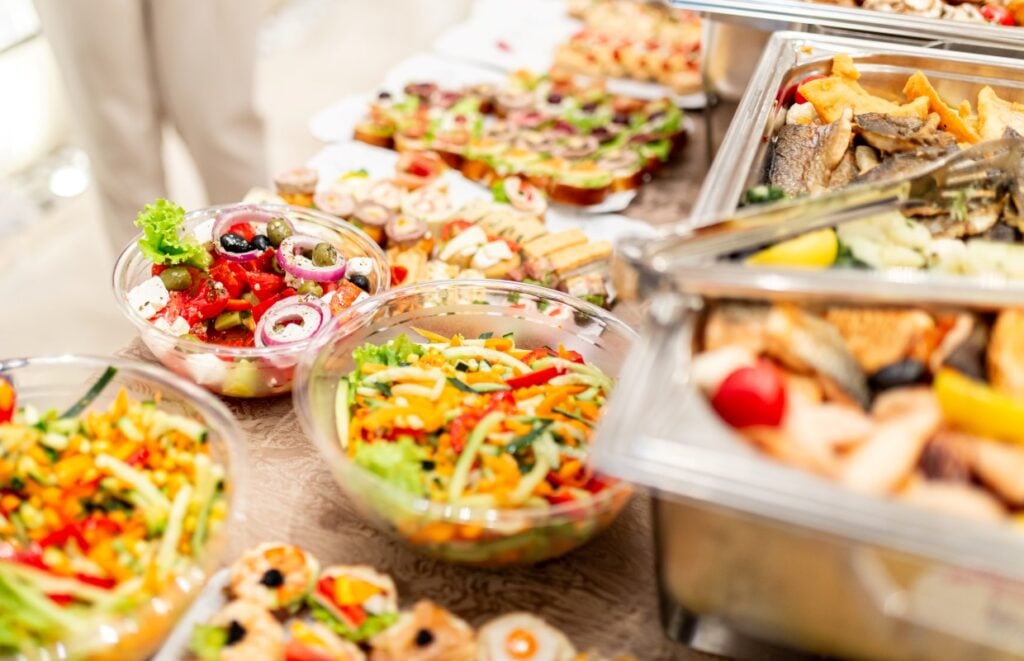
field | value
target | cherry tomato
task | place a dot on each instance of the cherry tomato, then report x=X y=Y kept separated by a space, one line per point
x=797 y=96
x=752 y=396
x=999 y=14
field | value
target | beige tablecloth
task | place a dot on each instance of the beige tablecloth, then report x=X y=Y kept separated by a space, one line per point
x=604 y=595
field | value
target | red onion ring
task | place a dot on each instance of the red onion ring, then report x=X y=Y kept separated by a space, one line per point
x=291 y=259
x=241 y=214
x=373 y=214
x=309 y=312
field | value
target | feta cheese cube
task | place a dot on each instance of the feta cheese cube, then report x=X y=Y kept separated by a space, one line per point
x=206 y=369
x=149 y=297
x=203 y=232
x=360 y=266
x=176 y=328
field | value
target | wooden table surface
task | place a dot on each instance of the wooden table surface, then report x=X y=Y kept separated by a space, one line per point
x=604 y=595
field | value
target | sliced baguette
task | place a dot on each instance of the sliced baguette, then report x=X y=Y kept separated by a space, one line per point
x=578 y=256
x=555 y=242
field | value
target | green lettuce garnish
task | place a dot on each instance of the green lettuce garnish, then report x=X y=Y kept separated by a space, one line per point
x=394 y=353
x=162 y=241
x=398 y=463
x=498 y=191
x=373 y=625
x=207 y=641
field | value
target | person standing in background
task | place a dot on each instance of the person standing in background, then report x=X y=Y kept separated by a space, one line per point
x=132 y=66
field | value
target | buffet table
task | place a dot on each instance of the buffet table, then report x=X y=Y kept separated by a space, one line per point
x=604 y=596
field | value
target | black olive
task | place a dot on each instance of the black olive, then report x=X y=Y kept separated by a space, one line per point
x=236 y=632
x=361 y=281
x=1002 y=232
x=428 y=464
x=903 y=373
x=554 y=97
x=589 y=107
x=621 y=118
x=424 y=638
x=602 y=134
x=273 y=578
x=234 y=243
x=969 y=356
x=260 y=242
x=384 y=96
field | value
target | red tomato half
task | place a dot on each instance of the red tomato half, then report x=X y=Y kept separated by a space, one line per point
x=998 y=14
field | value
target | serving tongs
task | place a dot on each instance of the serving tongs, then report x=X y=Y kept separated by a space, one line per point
x=940 y=184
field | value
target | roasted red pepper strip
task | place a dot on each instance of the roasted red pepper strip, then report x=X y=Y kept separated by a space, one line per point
x=209 y=301
x=537 y=378
x=31 y=557
x=232 y=276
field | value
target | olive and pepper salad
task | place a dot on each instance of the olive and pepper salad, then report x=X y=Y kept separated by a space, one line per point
x=248 y=277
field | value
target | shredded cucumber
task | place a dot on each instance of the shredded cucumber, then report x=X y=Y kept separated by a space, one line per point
x=165 y=557
x=465 y=463
x=341 y=414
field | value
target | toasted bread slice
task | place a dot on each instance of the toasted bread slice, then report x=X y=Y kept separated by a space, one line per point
x=371 y=134
x=576 y=257
x=479 y=171
x=552 y=243
x=577 y=196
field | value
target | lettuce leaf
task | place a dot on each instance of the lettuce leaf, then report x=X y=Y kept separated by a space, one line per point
x=397 y=463
x=207 y=641
x=162 y=241
x=394 y=353
x=498 y=191
x=373 y=625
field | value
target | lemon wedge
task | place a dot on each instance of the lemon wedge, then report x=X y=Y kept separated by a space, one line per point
x=977 y=408
x=814 y=250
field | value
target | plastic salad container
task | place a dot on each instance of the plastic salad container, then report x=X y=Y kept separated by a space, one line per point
x=786 y=551
x=240 y=371
x=465 y=533
x=103 y=462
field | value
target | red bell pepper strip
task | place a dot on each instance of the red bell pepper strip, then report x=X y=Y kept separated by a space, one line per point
x=209 y=301
x=398 y=274
x=537 y=378
x=105 y=583
x=63 y=535
x=264 y=285
x=238 y=305
x=8 y=398
x=232 y=276
x=259 y=310
x=354 y=614
x=61 y=599
x=137 y=458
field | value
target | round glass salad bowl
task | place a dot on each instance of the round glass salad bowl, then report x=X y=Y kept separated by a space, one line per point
x=137 y=630
x=240 y=371
x=484 y=536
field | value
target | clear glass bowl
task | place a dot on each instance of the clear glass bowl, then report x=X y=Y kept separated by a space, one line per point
x=472 y=535
x=57 y=382
x=241 y=371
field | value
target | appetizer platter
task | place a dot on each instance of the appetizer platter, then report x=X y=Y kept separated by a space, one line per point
x=583 y=146
x=635 y=40
x=459 y=418
x=659 y=56
x=112 y=508
x=229 y=296
x=434 y=225
x=277 y=603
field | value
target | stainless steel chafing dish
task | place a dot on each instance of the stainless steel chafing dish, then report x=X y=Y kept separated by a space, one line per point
x=741 y=161
x=778 y=14
x=780 y=554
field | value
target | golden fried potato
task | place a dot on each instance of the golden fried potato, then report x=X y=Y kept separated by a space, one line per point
x=918 y=86
x=832 y=95
x=996 y=114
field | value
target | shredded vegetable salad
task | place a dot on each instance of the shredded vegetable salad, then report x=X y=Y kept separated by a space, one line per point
x=476 y=422
x=99 y=511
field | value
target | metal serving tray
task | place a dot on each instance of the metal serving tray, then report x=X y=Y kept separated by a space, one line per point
x=779 y=14
x=783 y=555
x=789 y=57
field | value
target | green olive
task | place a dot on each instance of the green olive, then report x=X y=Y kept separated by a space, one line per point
x=324 y=254
x=226 y=320
x=277 y=231
x=309 y=287
x=176 y=278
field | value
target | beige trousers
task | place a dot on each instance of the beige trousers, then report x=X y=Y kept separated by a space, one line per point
x=132 y=66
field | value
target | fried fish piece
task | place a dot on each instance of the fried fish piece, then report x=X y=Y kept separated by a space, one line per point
x=879 y=337
x=840 y=91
